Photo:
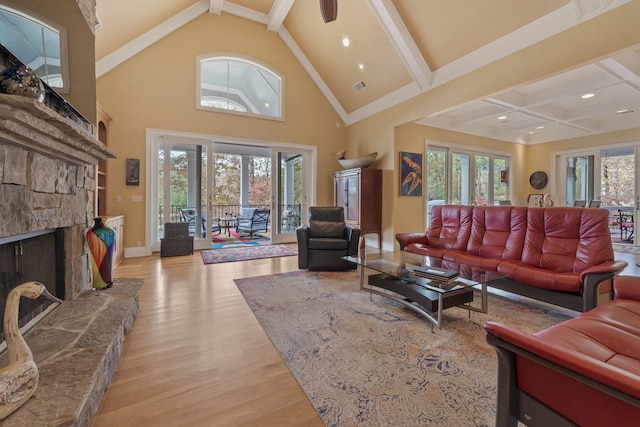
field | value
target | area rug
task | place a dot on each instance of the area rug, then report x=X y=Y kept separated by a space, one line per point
x=370 y=362
x=215 y=256
x=224 y=240
x=628 y=248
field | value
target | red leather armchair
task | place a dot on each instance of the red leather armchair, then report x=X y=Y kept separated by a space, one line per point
x=584 y=371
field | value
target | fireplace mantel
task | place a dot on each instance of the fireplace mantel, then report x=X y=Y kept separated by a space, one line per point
x=33 y=126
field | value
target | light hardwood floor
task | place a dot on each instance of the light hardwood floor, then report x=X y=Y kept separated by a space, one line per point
x=197 y=356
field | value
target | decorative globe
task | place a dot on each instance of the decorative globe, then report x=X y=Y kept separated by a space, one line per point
x=22 y=80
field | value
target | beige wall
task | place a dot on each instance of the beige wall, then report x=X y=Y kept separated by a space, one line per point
x=80 y=42
x=385 y=133
x=156 y=89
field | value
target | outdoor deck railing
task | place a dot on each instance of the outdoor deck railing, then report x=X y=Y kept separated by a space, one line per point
x=220 y=211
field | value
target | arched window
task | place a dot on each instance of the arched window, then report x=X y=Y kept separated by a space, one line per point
x=238 y=85
x=36 y=43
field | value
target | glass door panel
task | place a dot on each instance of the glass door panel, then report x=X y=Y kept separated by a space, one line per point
x=618 y=192
x=182 y=192
x=436 y=166
x=460 y=179
x=482 y=188
x=500 y=179
x=287 y=209
x=579 y=179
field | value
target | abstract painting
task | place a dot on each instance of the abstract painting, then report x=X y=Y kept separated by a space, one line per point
x=410 y=174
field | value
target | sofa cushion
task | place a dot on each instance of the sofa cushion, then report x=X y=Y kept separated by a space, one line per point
x=450 y=227
x=326 y=229
x=466 y=258
x=426 y=250
x=498 y=232
x=328 y=243
x=541 y=278
x=567 y=239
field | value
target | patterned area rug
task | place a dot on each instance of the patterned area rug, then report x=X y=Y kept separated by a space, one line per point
x=371 y=362
x=224 y=240
x=626 y=248
x=215 y=256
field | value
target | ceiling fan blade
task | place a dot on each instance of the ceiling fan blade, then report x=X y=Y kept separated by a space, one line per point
x=329 y=10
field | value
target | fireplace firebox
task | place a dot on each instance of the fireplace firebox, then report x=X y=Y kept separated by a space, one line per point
x=35 y=256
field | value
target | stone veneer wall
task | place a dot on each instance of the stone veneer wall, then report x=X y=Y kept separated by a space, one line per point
x=47 y=180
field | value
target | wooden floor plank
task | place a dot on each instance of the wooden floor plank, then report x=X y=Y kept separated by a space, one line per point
x=197 y=356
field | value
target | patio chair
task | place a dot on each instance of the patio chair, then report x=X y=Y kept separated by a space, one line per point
x=188 y=215
x=252 y=220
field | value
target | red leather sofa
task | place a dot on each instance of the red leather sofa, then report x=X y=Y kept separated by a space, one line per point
x=559 y=255
x=584 y=371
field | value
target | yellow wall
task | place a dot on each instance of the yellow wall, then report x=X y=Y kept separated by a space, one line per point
x=156 y=89
x=387 y=132
x=80 y=42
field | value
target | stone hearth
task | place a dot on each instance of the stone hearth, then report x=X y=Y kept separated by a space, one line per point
x=76 y=348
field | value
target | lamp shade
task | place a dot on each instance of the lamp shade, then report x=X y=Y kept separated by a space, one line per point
x=329 y=9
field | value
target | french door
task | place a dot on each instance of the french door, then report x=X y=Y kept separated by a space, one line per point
x=183 y=186
x=290 y=203
x=610 y=176
x=183 y=170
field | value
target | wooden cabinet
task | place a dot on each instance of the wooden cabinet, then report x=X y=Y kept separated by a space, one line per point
x=117 y=224
x=359 y=191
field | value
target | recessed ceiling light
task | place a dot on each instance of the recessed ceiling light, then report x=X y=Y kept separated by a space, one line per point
x=531 y=132
x=588 y=95
x=540 y=127
x=624 y=111
x=361 y=66
x=346 y=42
x=502 y=118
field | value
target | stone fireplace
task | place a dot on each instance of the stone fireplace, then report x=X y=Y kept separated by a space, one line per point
x=47 y=183
x=47 y=186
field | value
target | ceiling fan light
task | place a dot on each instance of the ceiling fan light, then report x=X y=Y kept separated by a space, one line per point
x=329 y=10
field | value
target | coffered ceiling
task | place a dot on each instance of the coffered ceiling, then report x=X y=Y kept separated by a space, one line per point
x=401 y=48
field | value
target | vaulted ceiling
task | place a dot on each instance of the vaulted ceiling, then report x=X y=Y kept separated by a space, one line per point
x=401 y=48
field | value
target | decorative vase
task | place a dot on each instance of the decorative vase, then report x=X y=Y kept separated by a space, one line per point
x=101 y=239
x=22 y=80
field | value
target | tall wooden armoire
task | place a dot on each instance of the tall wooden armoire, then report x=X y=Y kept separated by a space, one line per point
x=359 y=191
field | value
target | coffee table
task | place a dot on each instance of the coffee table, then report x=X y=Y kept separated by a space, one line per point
x=398 y=276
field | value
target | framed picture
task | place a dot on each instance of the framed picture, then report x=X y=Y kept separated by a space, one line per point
x=410 y=174
x=133 y=172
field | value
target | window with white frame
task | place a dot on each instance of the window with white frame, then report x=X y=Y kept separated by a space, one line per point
x=37 y=44
x=238 y=85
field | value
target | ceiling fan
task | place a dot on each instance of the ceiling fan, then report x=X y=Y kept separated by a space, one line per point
x=329 y=10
